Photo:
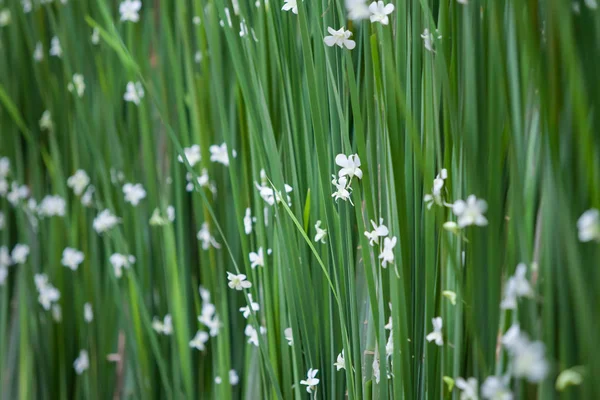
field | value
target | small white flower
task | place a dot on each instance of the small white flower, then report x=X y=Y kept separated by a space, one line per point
x=377 y=232
x=340 y=362
x=238 y=282
x=380 y=11
x=219 y=154
x=88 y=313
x=387 y=254
x=196 y=20
x=5 y=259
x=495 y=388
x=511 y=337
x=341 y=38
x=4 y=17
x=27 y=6
x=248 y=221
x=71 y=258
x=311 y=382
x=86 y=199
x=19 y=254
x=206 y=238
x=105 y=221
x=164 y=327
x=209 y=318
x=192 y=154
x=48 y=294
x=321 y=233
x=350 y=166
x=198 y=57
x=517 y=286
x=46 y=123
x=271 y=196
x=289 y=336
x=218 y=380
x=82 y=363
x=134 y=193
x=342 y=189
x=78 y=181
x=51 y=206
x=470 y=212
x=436 y=191
x=462 y=1
x=38 y=52
x=95 y=38
x=55 y=47
x=252 y=334
x=357 y=10
x=249 y=309
x=134 y=92
x=120 y=261
x=77 y=85
x=290 y=5
x=589 y=226
x=257 y=259
x=436 y=335
x=129 y=10
x=4 y=167
x=427 y=40
x=527 y=358
x=17 y=193
x=234 y=379
x=204 y=294
x=591 y=4
x=469 y=388
x=199 y=341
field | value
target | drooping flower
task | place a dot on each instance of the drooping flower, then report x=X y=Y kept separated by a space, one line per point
x=134 y=92
x=71 y=258
x=377 y=232
x=134 y=193
x=199 y=341
x=257 y=259
x=495 y=388
x=342 y=189
x=129 y=10
x=468 y=387
x=436 y=335
x=311 y=382
x=289 y=336
x=77 y=85
x=340 y=363
x=78 y=181
x=238 y=282
x=88 y=312
x=387 y=254
x=470 y=212
x=589 y=226
x=290 y=5
x=321 y=233
x=120 y=261
x=350 y=166
x=82 y=362
x=192 y=154
x=218 y=153
x=206 y=238
x=19 y=254
x=341 y=38
x=380 y=11
x=251 y=308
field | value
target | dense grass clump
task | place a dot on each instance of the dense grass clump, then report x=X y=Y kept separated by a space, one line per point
x=284 y=199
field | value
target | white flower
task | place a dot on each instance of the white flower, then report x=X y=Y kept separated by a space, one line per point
x=234 y=379
x=209 y=318
x=469 y=388
x=238 y=282
x=5 y=259
x=129 y=10
x=253 y=307
x=82 y=363
x=427 y=40
x=494 y=388
x=311 y=382
x=46 y=123
x=511 y=337
x=321 y=233
x=134 y=92
x=78 y=181
x=4 y=167
x=591 y=4
x=204 y=294
x=86 y=199
x=52 y=206
x=196 y=20
x=340 y=362
x=206 y=238
x=38 y=52
x=199 y=341
x=4 y=17
x=290 y=5
x=105 y=221
x=95 y=38
x=387 y=254
x=17 y=193
x=134 y=193
x=120 y=261
x=436 y=191
x=88 y=313
x=271 y=196
x=252 y=334
x=77 y=85
x=19 y=254
x=3 y=274
x=257 y=259
x=198 y=57
x=380 y=11
x=71 y=258
x=27 y=6
x=248 y=221
x=219 y=154
x=55 y=47
x=528 y=359
x=342 y=189
x=289 y=336
x=470 y=212
x=377 y=232
x=436 y=335
x=462 y=1
x=589 y=226
x=350 y=165
x=516 y=286
x=340 y=38
x=48 y=294
x=164 y=327
x=192 y=154
x=357 y=10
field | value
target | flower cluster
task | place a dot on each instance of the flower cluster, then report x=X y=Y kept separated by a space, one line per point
x=350 y=167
